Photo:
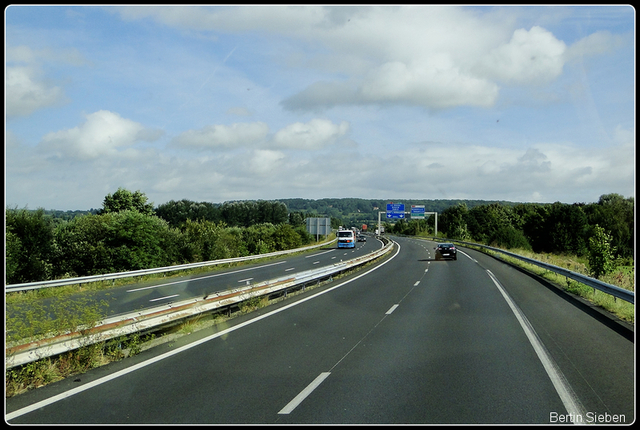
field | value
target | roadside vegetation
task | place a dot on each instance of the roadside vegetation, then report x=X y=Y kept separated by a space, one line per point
x=621 y=275
x=128 y=234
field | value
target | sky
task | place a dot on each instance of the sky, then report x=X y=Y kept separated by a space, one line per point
x=223 y=103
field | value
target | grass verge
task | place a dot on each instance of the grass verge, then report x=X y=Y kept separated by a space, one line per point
x=622 y=276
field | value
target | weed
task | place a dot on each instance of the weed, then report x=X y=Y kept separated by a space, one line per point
x=253 y=304
x=622 y=276
x=39 y=373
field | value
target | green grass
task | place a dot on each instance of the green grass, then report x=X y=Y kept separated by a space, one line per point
x=622 y=276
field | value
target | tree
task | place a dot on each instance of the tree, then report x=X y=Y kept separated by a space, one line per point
x=453 y=222
x=601 y=253
x=177 y=213
x=116 y=242
x=534 y=225
x=259 y=238
x=297 y=219
x=485 y=221
x=509 y=237
x=566 y=227
x=29 y=246
x=285 y=237
x=615 y=214
x=124 y=199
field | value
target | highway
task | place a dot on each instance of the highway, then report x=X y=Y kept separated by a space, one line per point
x=411 y=340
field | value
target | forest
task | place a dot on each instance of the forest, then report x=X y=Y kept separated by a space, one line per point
x=129 y=233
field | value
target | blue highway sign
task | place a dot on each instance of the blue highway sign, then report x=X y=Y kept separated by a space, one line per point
x=395 y=210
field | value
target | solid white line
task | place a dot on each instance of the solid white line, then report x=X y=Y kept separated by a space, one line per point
x=164 y=298
x=560 y=383
x=391 y=309
x=304 y=393
x=61 y=396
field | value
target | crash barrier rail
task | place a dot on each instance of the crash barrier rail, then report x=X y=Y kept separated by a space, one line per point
x=613 y=290
x=167 y=315
x=111 y=276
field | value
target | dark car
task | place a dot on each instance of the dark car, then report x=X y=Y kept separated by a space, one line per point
x=362 y=238
x=446 y=250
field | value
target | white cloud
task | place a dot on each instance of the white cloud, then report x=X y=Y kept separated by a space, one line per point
x=314 y=134
x=438 y=84
x=103 y=133
x=27 y=91
x=27 y=88
x=431 y=56
x=530 y=57
x=264 y=162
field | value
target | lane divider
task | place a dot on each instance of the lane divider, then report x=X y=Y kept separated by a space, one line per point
x=164 y=298
x=559 y=381
x=304 y=394
x=391 y=309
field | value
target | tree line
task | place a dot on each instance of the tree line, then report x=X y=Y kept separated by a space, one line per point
x=127 y=233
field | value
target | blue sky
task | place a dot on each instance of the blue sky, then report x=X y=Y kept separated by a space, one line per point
x=528 y=104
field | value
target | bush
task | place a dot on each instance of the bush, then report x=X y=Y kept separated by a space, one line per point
x=601 y=253
x=510 y=238
x=115 y=242
x=29 y=245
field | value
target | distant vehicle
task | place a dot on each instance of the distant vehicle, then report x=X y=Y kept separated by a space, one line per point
x=362 y=238
x=446 y=250
x=346 y=239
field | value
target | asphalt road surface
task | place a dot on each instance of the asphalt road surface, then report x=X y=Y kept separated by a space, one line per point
x=411 y=340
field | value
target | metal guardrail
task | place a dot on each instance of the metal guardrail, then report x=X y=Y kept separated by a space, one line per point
x=150 y=319
x=110 y=276
x=613 y=290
